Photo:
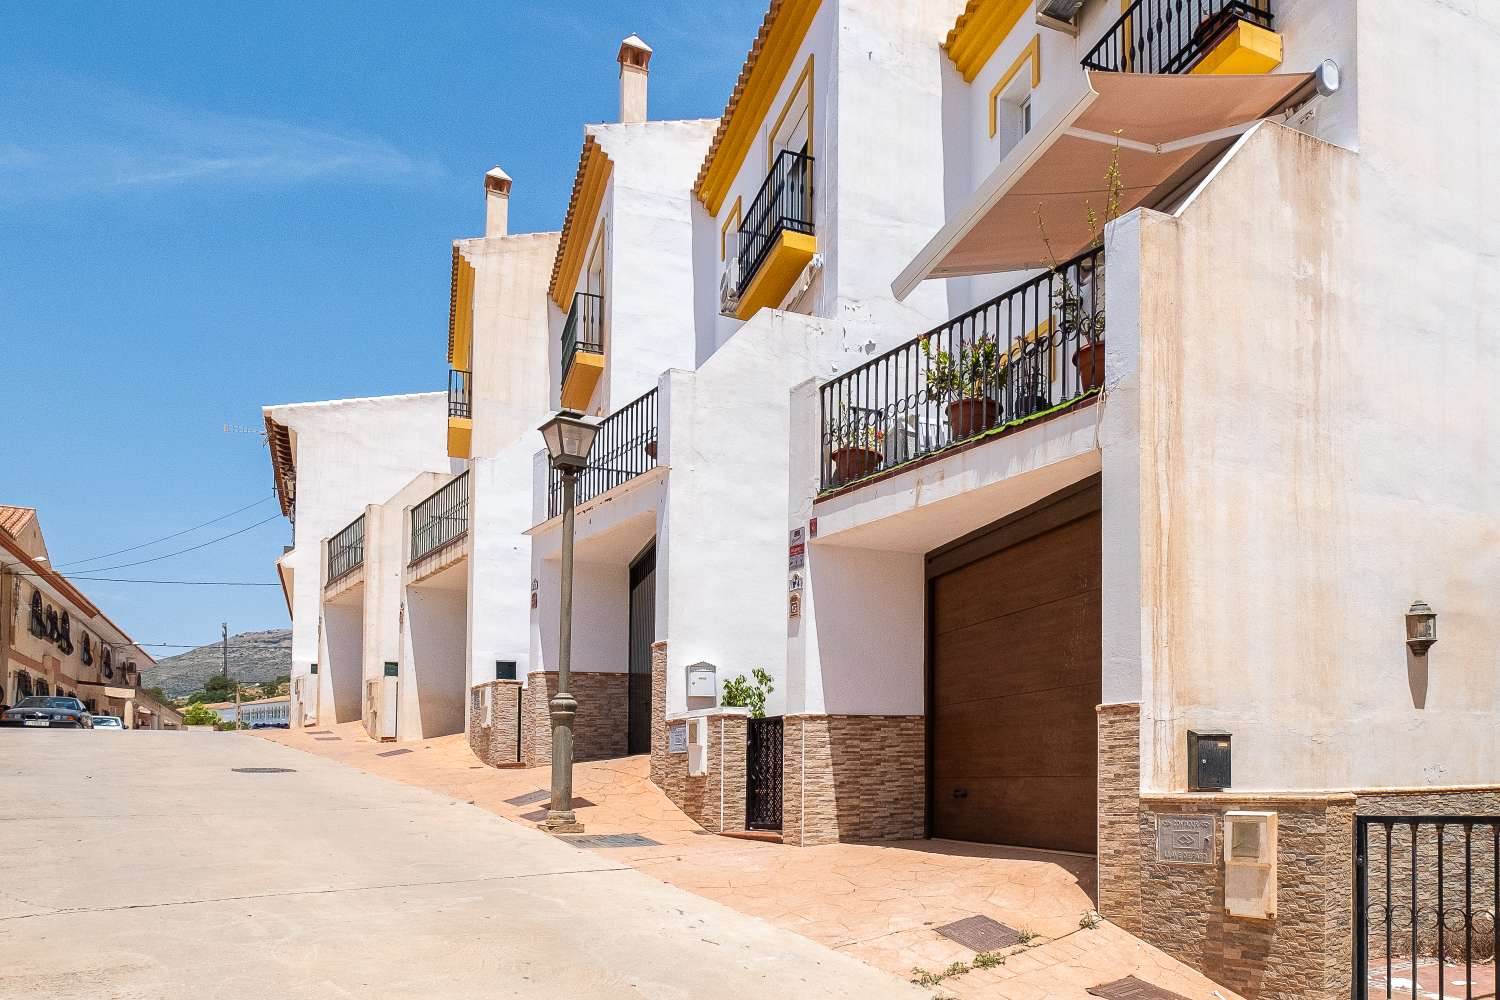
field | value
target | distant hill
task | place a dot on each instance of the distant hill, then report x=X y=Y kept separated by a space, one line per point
x=253 y=657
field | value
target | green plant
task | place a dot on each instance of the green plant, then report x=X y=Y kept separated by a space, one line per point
x=988 y=960
x=742 y=693
x=1089 y=920
x=200 y=715
x=956 y=969
x=1024 y=936
x=967 y=375
x=921 y=977
x=857 y=431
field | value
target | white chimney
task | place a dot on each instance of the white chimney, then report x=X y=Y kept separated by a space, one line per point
x=635 y=62
x=496 y=202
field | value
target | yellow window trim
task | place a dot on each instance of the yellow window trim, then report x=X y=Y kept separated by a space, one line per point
x=594 y=169
x=804 y=80
x=1032 y=53
x=731 y=218
x=776 y=45
x=596 y=256
x=980 y=30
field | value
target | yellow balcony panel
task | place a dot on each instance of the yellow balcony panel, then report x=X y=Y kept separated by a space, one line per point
x=780 y=270
x=583 y=375
x=1247 y=49
x=460 y=436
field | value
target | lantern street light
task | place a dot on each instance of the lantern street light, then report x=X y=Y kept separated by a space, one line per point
x=569 y=438
x=1421 y=628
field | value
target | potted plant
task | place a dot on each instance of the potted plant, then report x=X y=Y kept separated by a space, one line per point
x=1032 y=388
x=1083 y=325
x=858 y=446
x=969 y=382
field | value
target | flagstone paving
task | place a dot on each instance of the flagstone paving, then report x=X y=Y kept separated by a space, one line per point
x=879 y=903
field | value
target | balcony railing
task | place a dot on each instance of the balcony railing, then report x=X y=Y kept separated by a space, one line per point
x=1032 y=350
x=440 y=518
x=584 y=330
x=783 y=204
x=460 y=385
x=1170 y=36
x=346 y=550
x=625 y=447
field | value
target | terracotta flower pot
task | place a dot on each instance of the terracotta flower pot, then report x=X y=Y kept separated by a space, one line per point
x=967 y=417
x=854 y=461
x=1089 y=360
x=651 y=450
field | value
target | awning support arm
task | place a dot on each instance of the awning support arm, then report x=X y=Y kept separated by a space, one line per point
x=1166 y=147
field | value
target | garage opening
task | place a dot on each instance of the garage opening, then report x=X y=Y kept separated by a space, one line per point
x=1013 y=679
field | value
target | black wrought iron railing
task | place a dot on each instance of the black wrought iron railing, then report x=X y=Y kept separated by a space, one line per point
x=624 y=447
x=346 y=550
x=1031 y=350
x=584 y=330
x=783 y=204
x=440 y=518
x=1426 y=897
x=1170 y=36
x=460 y=385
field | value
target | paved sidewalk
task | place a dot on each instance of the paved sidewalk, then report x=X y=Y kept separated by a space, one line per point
x=879 y=903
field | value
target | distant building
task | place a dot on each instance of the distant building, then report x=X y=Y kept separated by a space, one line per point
x=261 y=712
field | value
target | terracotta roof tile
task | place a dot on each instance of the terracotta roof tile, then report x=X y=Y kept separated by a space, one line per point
x=13 y=519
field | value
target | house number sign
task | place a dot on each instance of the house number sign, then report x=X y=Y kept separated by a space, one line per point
x=1185 y=840
x=677 y=738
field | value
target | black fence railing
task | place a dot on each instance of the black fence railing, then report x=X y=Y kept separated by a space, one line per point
x=624 y=447
x=584 y=330
x=1170 y=36
x=1425 y=900
x=1035 y=348
x=440 y=518
x=783 y=204
x=346 y=550
x=460 y=385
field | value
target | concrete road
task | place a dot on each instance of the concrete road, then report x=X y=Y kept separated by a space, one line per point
x=141 y=864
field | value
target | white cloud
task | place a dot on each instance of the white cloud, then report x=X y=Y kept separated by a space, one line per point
x=66 y=139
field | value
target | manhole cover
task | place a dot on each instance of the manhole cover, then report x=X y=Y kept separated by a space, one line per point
x=610 y=840
x=980 y=933
x=264 y=770
x=530 y=798
x=1131 y=988
x=393 y=753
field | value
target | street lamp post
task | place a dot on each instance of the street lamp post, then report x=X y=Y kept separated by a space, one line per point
x=569 y=438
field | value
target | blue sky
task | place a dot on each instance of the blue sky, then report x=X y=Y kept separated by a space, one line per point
x=209 y=207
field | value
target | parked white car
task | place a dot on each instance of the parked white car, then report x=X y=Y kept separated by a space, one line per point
x=109 y=722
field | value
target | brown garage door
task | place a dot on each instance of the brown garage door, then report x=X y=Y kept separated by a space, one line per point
x=1015 y=679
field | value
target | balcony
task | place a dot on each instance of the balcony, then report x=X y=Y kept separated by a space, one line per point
x=442 y=518
x=776 y=239
x=346 y=551
x=624 y=448
x=1029 y=353
x=460 y=413
x=1189 y=36
x=582 y=350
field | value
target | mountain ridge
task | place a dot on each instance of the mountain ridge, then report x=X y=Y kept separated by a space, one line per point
x=253 y=657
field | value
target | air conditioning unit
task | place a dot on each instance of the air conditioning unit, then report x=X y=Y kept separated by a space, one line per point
x=729 y=288
x=1060 y=15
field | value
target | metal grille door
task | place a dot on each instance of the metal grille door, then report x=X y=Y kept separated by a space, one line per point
x=763 y=774
x=1424 y=907
x=642 y=634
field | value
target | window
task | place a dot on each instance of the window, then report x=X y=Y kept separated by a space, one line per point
x=1026 y=115
x=1010 y=100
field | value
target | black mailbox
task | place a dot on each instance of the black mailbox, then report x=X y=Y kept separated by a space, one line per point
x=1208 y=761
x=505 y=670
x=390 y=669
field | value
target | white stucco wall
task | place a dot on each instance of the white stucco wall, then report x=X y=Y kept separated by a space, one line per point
x=435 y=702
x=349 y=453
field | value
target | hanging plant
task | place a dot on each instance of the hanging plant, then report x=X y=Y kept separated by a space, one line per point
x=86 y=651
x=65 y=635
x=53 y=632
x=38 y=618
x=109 y=664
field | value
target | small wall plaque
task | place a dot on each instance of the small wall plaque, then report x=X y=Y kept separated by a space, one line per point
x=677 y=737
x=1185 y=840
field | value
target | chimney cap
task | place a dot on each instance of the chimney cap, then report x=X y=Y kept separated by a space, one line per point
x=497 y=180
x=634 y=52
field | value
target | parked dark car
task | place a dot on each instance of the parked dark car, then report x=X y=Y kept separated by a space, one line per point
x=47 y=713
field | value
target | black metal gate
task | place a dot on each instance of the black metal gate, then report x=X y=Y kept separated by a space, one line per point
x=642 y=634
x=1425 y=899
x=763 y=774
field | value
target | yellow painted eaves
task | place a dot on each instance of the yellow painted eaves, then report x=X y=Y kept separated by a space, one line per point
x=461 y=313
x=978 y=32
x=594 y=168
x=769 y=61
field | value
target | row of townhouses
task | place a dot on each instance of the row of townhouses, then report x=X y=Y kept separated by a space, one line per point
x=1079 y=409
x=55 y=641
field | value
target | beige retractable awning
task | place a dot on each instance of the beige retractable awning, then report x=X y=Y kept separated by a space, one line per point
x=1166 y=127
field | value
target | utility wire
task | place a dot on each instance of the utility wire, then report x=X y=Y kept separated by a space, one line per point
x=178 y=583
x=167 y=538
x=191 y=548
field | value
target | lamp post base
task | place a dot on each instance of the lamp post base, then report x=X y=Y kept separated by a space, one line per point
x=560 y=818
x=560 y=822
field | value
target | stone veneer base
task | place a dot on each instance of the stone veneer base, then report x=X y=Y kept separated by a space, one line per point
x=715 y=800
x=853 y=777
x=497 y=744
x=601 y=729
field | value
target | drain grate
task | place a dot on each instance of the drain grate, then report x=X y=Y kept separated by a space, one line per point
x=610 y=840
x=980 y=933
x=394 y=753
x=264 y=770
x=530 y=798
x=1131 y=988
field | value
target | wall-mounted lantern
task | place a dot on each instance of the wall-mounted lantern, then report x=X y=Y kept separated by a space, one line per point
x=1421 y=627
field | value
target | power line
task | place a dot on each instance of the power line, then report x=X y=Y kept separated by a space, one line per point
x=167 y=538
x=191 y=548
x=176 y=583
